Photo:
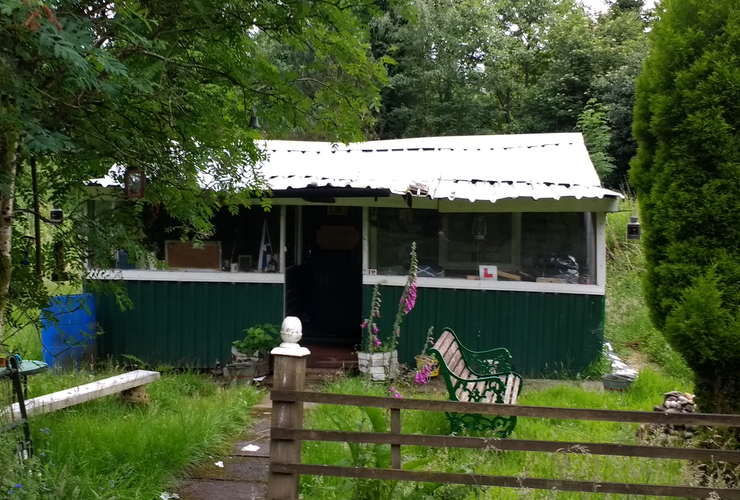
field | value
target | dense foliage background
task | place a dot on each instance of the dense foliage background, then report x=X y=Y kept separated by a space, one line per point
x=170 y=86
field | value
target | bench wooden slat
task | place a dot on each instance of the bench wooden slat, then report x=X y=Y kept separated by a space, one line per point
x=444 y=343
x=454 y=362
x=509 y=385
x=450 y=353
x=462 y=394
x=83 y=393
x=515 y=391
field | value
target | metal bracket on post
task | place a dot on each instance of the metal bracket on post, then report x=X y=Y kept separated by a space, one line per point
x=290 y=375
x=15 y=376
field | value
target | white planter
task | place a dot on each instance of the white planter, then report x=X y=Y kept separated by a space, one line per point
x=380 y=365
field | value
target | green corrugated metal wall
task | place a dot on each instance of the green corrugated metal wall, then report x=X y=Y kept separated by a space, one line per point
x=548 y=334
x=185 y=323
x=192 y=324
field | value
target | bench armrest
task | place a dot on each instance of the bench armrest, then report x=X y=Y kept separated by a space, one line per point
x=489 y=362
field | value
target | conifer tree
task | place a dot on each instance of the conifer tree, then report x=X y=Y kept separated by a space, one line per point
x=687 y=177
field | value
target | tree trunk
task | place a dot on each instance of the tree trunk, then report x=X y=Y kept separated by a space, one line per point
x=717 y=390
x=8 y=153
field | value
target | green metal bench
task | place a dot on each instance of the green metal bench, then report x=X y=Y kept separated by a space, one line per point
x=481 y=377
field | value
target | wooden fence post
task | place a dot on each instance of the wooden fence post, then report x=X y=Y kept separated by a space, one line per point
x=290 y=375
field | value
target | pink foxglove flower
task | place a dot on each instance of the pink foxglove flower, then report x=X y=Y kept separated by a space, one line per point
x=376 y=341
x=395 y=393
x=422 y=376
x=410 y=299
x=364 y=324
x=375 y=329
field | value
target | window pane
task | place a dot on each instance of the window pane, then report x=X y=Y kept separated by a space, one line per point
x=542 y=247
x=468 y=240
x=241 y=236
x=395 y=229
x=555 y=247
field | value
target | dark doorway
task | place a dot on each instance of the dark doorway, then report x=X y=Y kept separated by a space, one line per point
x=332 y=274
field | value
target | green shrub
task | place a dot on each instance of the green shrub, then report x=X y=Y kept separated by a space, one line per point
x=708 y=335
x=259 y=340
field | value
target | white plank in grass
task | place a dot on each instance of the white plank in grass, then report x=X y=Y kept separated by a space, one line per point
x=83 y=393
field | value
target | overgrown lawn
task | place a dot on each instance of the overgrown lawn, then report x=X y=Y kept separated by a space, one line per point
x=628 y=325
x=106 y=448
x=646 y=392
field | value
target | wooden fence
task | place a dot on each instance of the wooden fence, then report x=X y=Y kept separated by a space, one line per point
x=287 y=433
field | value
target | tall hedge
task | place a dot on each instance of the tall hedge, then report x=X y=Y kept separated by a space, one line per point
x=687 y=177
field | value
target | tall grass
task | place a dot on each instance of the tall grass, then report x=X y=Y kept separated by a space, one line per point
x=628 y=326
x=106 y=448
x=647 y=391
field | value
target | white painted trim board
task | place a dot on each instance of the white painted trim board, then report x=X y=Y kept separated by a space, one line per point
x=186 y=276
x=509 y=286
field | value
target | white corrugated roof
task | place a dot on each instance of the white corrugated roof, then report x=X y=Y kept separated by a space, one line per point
x=490 y=168
x=487 y=167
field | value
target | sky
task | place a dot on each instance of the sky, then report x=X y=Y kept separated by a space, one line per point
x=600 y=5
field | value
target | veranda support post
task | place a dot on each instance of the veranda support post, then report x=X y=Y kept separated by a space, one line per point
x=290 y=375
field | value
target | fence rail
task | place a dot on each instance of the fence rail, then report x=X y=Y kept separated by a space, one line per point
x=640 y=417
x=287 y=433
x=505 y=481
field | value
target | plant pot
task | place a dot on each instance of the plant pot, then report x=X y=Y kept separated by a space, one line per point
x=616 y=383
x=241 y=373
x=380 y=365
x=3 y=361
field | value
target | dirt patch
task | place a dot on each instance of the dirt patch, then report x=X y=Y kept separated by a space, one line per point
x=637 y=361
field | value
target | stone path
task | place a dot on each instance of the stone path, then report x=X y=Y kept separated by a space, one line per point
x=244 y=474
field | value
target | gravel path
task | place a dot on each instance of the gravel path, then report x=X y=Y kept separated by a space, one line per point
x=244 y=472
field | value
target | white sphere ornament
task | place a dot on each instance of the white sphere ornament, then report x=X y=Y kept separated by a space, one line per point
x=291 y=332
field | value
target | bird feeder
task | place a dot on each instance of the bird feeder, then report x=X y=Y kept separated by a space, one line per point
x=633 y=229
x=134 y=183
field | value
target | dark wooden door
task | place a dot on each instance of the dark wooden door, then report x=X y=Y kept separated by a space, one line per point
x=332 y=273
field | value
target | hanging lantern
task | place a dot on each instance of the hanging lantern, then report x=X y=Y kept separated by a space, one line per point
x=479 y=227
x=56 y=215
x=134 y=183
x=633 y=229
x=254 y=122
